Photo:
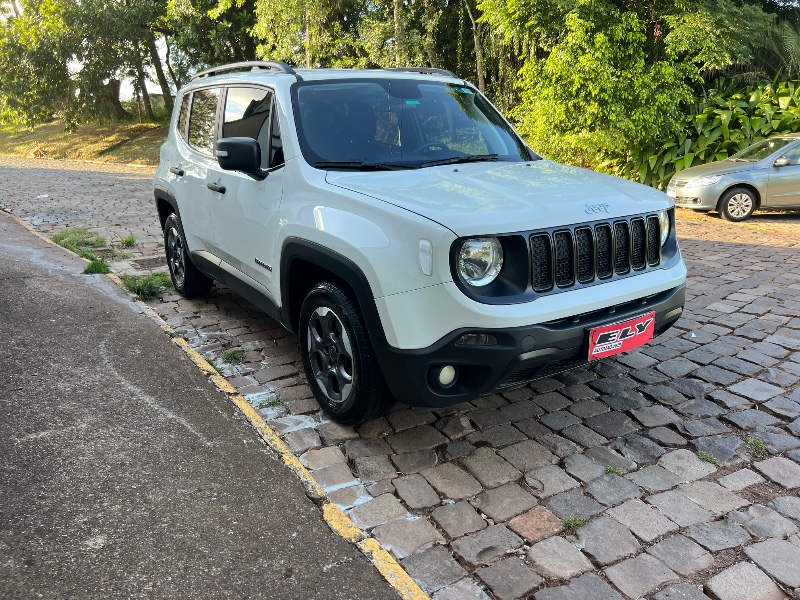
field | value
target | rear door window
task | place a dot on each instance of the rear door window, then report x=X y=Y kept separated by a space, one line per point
x=201 y=120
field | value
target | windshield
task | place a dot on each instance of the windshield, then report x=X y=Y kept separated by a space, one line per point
x=761 y=150
x=402 y=123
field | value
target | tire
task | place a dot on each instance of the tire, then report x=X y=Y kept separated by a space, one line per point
x=338 y=357
x=737 y=204
x=187 y=279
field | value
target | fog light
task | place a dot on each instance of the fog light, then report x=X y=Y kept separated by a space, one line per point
x=443 y=377
x=477 y=339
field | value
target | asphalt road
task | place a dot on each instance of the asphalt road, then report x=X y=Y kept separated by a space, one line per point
x=123 y=472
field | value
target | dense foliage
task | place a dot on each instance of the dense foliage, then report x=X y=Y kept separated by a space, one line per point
x=634 y=87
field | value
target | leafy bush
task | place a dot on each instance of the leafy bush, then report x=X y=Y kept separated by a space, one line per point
x=729 y=118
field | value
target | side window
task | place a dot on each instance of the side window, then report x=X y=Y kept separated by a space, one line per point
x=276 y=148
x=247 y=115
x=183 y=115
x=201 y=121
x=793 y=155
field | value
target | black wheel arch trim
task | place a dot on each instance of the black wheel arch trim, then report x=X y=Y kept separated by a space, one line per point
x=162 y=194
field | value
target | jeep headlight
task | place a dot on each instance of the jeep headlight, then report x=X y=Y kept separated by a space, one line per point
x=703 y=181
x=663 y=223
x=480 y=261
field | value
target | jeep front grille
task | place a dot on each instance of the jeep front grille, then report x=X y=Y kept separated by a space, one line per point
x=579 y=255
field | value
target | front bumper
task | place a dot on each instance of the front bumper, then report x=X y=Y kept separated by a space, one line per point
x=522 y=354
x=698 y=198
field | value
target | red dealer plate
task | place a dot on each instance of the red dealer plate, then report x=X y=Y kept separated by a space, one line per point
x=621 y=337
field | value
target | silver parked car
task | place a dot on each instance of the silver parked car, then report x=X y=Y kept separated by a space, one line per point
x=765 y=175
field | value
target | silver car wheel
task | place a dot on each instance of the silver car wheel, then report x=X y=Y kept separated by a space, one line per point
x=330 y=353
x=740 y=205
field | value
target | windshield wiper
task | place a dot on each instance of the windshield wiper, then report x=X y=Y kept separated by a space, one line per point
x=459 y=159
x=359 y=165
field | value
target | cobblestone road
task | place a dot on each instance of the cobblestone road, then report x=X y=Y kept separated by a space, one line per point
x=672 y=472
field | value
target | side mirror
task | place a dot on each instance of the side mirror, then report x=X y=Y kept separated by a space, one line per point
x=240 y=154
x=782 y=162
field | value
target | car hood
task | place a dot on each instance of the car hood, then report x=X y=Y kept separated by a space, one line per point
x=502 y=197
x=720 y=167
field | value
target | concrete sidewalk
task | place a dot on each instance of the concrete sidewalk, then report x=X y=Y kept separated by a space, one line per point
x=123 y=472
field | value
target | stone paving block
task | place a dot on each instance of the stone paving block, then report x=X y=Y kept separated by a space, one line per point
x=612 y=385
x=739 y=480
x=536 y=524
x=415 y=491
x=649 y=376
x=612 y=424
x=419 y=438
x=641 y=575
x=778 y=443
x=583 y=436
x=374 y=429
x=794 y=427
x=636 y=360
x=549 y=480
x=552 y=401
x=692 y=388
x=586 y=587
x=574 y=504
x=611 y=489
x=654 y=416
x=626 y=400
x=718 y=535
x=681 y=555
x=380 y=510
x=464 y=589
x=743 y=581
x=558 y=445
x=609 y=458
x=582 y=467
x=335 y=433
x=559 y=420
x=349 y=497
x=686 y=465
x=375 y=468
x=737 y=365
x=458 y=449
x=681 y=591
x=764 y=522
x=302 y=440
x=521 y=411
x=487 y=418
x=504 y=502
x=638 y=448
x=606 y=540
x=380 y=487
x=702 y=427
x=578 y=392
x=666 y=437
x=558 y=558
x=369 y=447
x=322 y=457
x=699 y=408
x=677 y=367
x=788 y=506
x=714 y=374
x=780 y=470
x=488 y=468
x=403 y=537
x=497 y=437
x=528 y=455
x=654 y=478
x=713 y=496
x=458 y=519
x=455 y=427
x=486 y=546
x=451 y=481
x=433 y=569
x=729 y=400
x=778 y=558
x=724 y=448
x=783 y=407
x=756 y=390
x=664 y=394
x=401 y=420
x=414 y=462
x=588 y=408
x=335 y=477
x=643 y=520
x=509 y=579
x=751 y=419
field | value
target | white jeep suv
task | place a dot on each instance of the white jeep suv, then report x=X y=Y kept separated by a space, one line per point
x=395 y=221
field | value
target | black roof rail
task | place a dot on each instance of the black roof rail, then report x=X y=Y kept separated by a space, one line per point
x=253 y=65
x=424 y=71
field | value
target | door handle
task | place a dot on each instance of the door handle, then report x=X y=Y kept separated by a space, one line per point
x=176 y=171
x=216 y=188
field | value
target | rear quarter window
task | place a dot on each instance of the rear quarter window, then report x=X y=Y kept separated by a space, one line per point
x=201 y=120
x=183 y=116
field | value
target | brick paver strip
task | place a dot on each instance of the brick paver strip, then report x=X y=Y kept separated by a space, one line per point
x=715 y=379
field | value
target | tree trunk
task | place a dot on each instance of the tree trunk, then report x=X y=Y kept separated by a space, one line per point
x=162 y=80
x=175 y=79
x=148 y=108
x=112 y=93
x=430 y=29
x=308 y=40
x=399 y=34
x=476 y=36
x=15 y=8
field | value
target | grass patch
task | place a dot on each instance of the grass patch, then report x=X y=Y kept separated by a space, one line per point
x=614 y=470
x=147 y=286
x=80 y=240
x=572 y=525
x=757 y=447
x=706 y=457
x=274 y=403
x=213 y=366
x=234 y=357
x=98 y=265
x=128 y=242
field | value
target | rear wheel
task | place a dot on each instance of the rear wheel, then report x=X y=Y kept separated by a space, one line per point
x=186 y=278
x=339 y=361
x=737 y=204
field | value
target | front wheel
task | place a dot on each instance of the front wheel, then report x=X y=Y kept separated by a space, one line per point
x=339 y=361
x=186 y=278
x=737 y=204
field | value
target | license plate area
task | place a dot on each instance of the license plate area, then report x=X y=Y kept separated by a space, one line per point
x=608 y=340
x=672 y=192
